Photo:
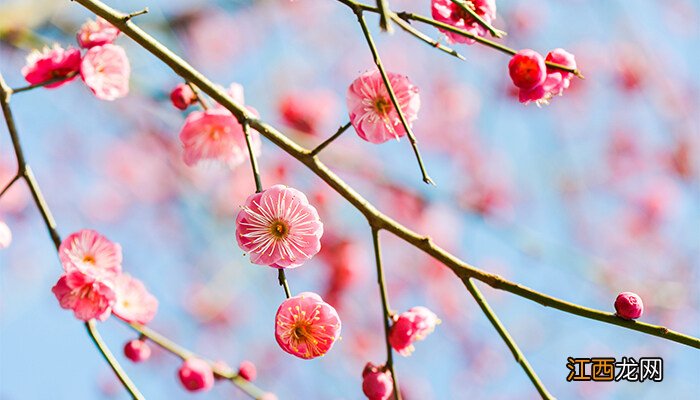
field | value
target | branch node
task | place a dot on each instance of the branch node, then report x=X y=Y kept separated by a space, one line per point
x=131 y=15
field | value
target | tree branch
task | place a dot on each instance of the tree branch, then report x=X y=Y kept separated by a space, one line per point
x=379 y=220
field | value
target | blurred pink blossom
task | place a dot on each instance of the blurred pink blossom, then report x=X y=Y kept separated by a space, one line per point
x=411 y=326
x=376 y=382
x=182 y=96
x=371 y=111
x=96 y=33
x=306 y=326
x=50 y=63
x=90 y=253
x=89 y=297
x=308 y=111
x=106 y=70
x=452 y=14
x=137 y=350
x=279 y=228
x=196 y=375
x=134 y=302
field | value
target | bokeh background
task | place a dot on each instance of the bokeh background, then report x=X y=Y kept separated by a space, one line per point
x=595 y=194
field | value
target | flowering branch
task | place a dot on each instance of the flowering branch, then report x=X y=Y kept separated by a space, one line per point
x=387 y=313
x=24 y=171
x=422 y=36
x=392 y=95
x=377 y=219
x=247 y=387
x=519 y=356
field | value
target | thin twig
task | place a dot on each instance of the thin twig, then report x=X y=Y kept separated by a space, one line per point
x=26 y=172
x=109 y=357
x=135 y=14
x=422 y=36
x=282 y=279
x=519 y=356
x=392 y=95
x=248 y=388
x=202 y=102
x=386 y=311
x=9 y=184
x=328 y=141
x=253 y=158
x=45 y=83
x=384 y=13
x=468 y=8
x=462 y=269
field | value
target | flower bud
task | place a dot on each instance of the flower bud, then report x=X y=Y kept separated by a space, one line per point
x=629 y=305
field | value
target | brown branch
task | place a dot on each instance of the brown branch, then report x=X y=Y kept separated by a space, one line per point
x=377 y=219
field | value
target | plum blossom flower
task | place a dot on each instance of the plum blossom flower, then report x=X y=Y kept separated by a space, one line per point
x=52 y=63
x=87 y=296
x=411 y=326
x=96 y=33
x=536 y=81
x=306 y=326
x=5 y=235
x=105 y=70
x=279 y=228
x=137 y=350
x=629 y=305
x=450 y=13
x=376 y=382
x=90 y=253
x=371 y=111
x=182 y=96
x=196 y=375
x=308 y=111
x=134 y=303
x=215 y=134
x=247 y=370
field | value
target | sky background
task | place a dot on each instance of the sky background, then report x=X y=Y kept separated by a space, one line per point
x=595 y=194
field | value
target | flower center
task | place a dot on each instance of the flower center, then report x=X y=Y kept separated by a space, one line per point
x=381 y=106
x=279 y=229
x=89 y=259
x=214 y=132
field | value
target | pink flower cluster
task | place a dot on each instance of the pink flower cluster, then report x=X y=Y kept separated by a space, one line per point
x=535 y=80
x=93 y=285
x=104 y=68
x=452 y=14
x=411 y=326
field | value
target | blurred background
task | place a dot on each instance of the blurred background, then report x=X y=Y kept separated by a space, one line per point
x=593 y=195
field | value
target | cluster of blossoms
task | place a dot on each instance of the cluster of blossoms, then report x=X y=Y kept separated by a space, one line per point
x=104 y=67
x=535 y=80
x=279 y=228
x=93 y=285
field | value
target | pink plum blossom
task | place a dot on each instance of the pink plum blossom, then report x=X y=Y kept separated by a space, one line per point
x=182 y=96
x=306 y=326
x=279 y=228
x=371 y=111
x=137 y=350
x=537 y=81
x=90 y=253
x=134 y=302
x=247 y=370
x=215 y=134
x=308 y=111
x=51 y=63
x=87 y=296
x=105 y=70
x=376 y=382
x=5 y=235
x=96 y=33
x=629 y=305
x=411 y=326
x=196 y=375
x=452 y=14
